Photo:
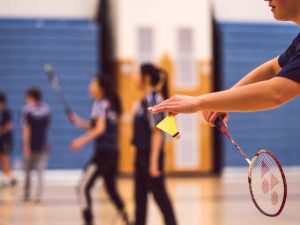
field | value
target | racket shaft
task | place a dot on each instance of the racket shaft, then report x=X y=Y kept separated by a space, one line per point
x=64 y=102
x=223 y=128
x=57 y=88
x=240 y=150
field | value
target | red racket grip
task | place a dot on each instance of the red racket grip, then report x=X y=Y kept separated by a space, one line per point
x=220 y=125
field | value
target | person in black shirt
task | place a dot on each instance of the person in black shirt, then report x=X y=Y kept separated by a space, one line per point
x=35 y=121
x=267 y=87
x=149 y=143
x=103 y=130
x=6 y=142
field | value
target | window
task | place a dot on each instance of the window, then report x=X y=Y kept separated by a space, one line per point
x=145 y=45
x=185 y=77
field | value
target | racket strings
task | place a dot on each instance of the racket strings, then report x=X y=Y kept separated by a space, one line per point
x=267 y=184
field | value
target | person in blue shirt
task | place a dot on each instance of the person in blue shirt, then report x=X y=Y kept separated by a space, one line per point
x=35 y=121
x=267 y=87
x=6 y=142
x=149 y=144
x=102 y=129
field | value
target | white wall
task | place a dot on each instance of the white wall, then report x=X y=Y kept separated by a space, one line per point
x=77 y=9
x=226 y=10
x=242 y=11
x=165 y=17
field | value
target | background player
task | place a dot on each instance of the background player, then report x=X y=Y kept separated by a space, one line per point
x=102 y=129
x=149 y=144
x=35 y=120
x=6 y=142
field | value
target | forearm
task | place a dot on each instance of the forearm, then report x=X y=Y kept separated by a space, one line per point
x=83 y=124
x=259 y=96
x=156 y=141
x=90 y=136
x=264 y=72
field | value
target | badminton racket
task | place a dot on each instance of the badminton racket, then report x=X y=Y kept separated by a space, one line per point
x=267 y=183
x=54 y=82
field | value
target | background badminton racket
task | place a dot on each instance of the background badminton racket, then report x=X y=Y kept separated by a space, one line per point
x=54 y=82
x=267 y=183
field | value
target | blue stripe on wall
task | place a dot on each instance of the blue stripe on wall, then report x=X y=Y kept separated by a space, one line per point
x=245 y=46
x=71 y=47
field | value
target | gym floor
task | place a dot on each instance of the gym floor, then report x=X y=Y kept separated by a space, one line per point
x=197 y=201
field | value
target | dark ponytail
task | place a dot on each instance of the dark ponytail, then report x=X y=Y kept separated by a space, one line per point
x=164 y=87
x=109 y=92
x=148 y=69
x=158 y=78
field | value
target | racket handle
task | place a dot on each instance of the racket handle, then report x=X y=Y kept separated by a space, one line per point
x=220 y=125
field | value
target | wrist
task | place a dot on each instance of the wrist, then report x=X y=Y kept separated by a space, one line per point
x=78 y=121
x=199 y=103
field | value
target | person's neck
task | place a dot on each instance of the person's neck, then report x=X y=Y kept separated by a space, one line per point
x=148 y=90
x=298 y=22
x=98 y=99
x=34 y=103
x=297 y=19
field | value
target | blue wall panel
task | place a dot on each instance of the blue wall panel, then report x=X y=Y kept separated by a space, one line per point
x=245 y=46
x=71 y=47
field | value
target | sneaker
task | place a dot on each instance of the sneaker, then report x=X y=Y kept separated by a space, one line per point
x=13 y=182
x=38 y=201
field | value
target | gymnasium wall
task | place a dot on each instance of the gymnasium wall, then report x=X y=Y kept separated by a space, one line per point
x=71 y=47
x=166 y=17
x=254 y=11
x=66 y=9
x=246 y=46
x=247 y=40
x=69 y=40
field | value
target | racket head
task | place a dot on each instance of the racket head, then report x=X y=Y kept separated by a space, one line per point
x=52 y=77
x=267 y=183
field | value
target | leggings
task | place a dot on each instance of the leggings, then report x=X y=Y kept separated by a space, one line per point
x=144 y=184
x=103 y=164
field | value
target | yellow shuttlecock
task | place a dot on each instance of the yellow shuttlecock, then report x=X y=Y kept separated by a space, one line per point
x=168 y=125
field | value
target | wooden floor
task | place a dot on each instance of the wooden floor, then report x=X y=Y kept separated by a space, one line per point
x=197 y=201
